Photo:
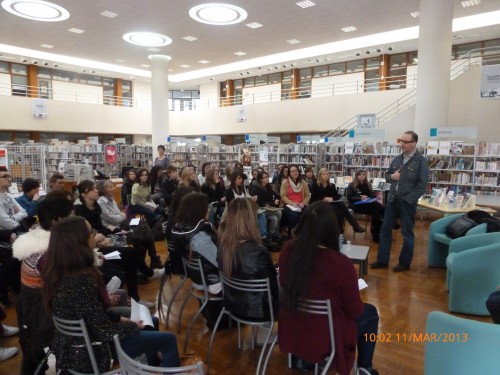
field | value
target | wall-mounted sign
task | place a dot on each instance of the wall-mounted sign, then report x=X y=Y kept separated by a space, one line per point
x=242 y=114
x=39 y=109
x=255 y=139
x=462 y=132
x=211 y=139
x=490 y=82
x=308 y=139
x=373 y=133
x=368 y=120
x=273 y=139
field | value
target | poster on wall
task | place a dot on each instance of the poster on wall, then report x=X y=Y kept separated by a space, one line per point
x=242 y=114
x=490 y=82
x=39 y=109
x=111 y=154
x=367 y=121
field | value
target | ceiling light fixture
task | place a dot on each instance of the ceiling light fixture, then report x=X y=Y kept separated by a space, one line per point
x=218 y=14
x=306 y=4
x=470 y=3
x=415 y=14
x=147 y=39
x=76 y=31
x=153 y=49
x=108 y=14
x=37 y=10
x=349 y=29
x=293 y=41
x=190 y=38
x=254 y=25
x=203 y=61
x=240 y=53
x=46 y=46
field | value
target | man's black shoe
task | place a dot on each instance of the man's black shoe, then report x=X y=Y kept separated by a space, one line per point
x=378 y=264
x=401 y=268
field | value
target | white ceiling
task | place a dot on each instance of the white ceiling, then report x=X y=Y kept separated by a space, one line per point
x=282 y=20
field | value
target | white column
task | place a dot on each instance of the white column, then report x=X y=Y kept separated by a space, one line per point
x=159 y=100
x=434 y=55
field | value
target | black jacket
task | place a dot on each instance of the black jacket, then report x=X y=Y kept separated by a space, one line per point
x=181 y=238
x=126 y=191
x=252 y=261
x=168 y=188
x=319 y=192
x=264 y=196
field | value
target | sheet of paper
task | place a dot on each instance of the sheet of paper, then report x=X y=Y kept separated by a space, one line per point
x=113 y=255
x=362 y=284
x=140 y=312
x=113 y=285
x=135 y=221
x=293 y=208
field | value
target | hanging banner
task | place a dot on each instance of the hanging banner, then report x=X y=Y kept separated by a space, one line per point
x=111 y=154
x=39 y=109
x=242 y=114
x=490 y=82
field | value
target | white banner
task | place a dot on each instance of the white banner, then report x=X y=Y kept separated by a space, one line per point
x=490 y=82
x=39 y=108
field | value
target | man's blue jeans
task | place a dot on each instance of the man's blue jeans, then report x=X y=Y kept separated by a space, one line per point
x=367 y=324
x=151 y=342
x=406 y=212
x=262 y=222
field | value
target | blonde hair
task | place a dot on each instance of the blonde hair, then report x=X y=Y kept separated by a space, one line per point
x=319 y=181
x=240 y=225
x=186 y=172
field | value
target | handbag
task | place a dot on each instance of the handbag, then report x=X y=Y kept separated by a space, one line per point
x=460 y=226
x=142 y=232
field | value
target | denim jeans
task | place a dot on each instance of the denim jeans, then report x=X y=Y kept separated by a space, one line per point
x=406 y=212
x=151 y=342
x=367 y=323
x=262 y=222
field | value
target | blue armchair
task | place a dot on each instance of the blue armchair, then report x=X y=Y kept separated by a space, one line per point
x=474 y=349
x=439 y=242
x=473 y=274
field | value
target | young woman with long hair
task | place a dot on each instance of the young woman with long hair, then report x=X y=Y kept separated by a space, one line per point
x=325 y=191
x=189 y=178
x=203 y=175
x=295 y=196
x=156 y=173
x=312 y=267
x=128 y=182
x=360 y=190
x=141 y=202
x=269 y=202
x=242 y=256
x=214 y=188
x=74 y=289
x=282 y=175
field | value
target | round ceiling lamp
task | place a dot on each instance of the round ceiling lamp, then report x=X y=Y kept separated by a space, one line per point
x=147 y=39
x=218 y=14
x=37 y=10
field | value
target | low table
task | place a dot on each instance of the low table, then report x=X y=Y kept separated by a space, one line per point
x=358 y=255
x=455 y=210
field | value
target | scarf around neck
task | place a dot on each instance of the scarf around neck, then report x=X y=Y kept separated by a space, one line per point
x=297 y=188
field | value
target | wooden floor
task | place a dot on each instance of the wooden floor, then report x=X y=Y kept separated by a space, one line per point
x=402 y=299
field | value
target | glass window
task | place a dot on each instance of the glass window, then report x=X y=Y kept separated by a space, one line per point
x=238 y=83
x=22 y=137
x=287 y=75
x=108 y=82
x=5 y=136
x=181 y=94
x=355 y=66
x=44 y=73
x=4 y=67
x=60 y=75
x=321 y=71
x=90 y=80
x=373 y=63
x=372 y=80
x=398 y=59
x=19 y=85
x=274 y=78
x=305 y=88
x=305 y=73
x=261 y=80
x=195 y=94
x=466 y=48
x=249 y=82
x=335 y=69
x=413 y=58
x=19 y=69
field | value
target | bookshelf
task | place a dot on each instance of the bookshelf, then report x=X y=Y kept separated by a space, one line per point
x=27 y=160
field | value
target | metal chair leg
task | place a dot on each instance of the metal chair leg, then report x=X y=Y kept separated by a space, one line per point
x=179 y=321
x=188 y=332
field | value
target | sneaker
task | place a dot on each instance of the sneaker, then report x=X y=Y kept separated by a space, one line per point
x=158 y=273
x=9 y=331
x=6 y=353
x=149 y=305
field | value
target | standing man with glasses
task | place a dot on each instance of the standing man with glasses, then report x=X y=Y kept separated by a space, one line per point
x=408 y=175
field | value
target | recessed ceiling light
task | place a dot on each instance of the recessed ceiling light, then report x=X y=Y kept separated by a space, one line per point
x=470 y=3
x=190 y=38
x=185 y=66
x=120 y=60
x=76 y=31
x=240 y=53
x=146 y=65
x=108 y=14
x=37 y=10
x=203 y=61
x=349 y=29
x=46 y=46
x=415 y=14
x=293 y=41
x=306 y=4
x=218 y=14
x=254 y=25
x=147 y=39
x=153 y=49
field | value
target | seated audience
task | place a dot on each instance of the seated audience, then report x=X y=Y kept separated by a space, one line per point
x=214 y=188
x=295 y=196
x=30 y=198
x=128 y=182
x=56 y=182
x=269 y=203
x=312 y=267
x=325 y=191
x=74 y=289
x=188 y=178
x=11 y=213
x=309 y=177
x=36 y=326
x=140 y=201
x=359 y=190
x=280 y=177
x=169 y=185
x=112 y=218
x=204 y=169
x=156 y=174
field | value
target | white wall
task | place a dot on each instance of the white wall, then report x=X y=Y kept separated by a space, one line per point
x=262 y=94
x=209 y=93
x=67 y=91
x=338 y=85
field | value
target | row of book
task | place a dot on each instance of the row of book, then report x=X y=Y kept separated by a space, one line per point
x=461 y=164
x=444 y=197
x=488 y=165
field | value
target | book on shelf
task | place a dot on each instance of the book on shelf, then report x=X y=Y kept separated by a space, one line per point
x=432 y=147
x=456 y=147
x=349 y=148
x=444 y=147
